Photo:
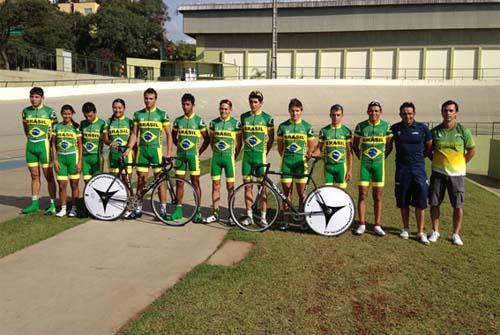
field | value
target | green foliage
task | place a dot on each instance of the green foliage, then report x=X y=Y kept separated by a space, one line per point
x=180 y=51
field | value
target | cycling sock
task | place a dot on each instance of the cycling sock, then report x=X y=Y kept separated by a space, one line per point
x=34 y=197
x=263 y=215
x=249 y=213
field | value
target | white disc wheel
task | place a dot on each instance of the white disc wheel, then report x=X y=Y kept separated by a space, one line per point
x=329 y=211
x=105 y=197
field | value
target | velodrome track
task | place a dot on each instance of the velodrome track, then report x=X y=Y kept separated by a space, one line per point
x=479 y=100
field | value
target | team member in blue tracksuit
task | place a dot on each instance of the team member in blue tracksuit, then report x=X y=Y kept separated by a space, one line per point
x=413 y=143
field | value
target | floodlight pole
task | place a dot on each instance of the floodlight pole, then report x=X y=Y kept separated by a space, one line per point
x=275 y=41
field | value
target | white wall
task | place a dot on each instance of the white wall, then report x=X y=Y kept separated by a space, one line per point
x=257 y=65
x=331 y=64
x=356 y=64
x=490 y=63
x=284 y=64
x=382 y=64
x=436 y=63
x=464 y=61
x=409 y=64
x=235 y=58
x=305 y=64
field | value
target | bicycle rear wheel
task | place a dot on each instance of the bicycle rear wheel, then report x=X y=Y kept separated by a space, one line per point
x=168 y=205
x=261 y=197
x=105 y=197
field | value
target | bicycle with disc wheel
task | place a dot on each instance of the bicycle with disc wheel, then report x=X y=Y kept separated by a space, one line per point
x=106 y=196
x=327 y=210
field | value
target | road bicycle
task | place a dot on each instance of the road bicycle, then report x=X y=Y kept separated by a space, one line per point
x=327 y=210
x=107 y=196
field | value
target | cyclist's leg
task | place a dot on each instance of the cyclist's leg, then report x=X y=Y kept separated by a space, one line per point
x=34 y=169
x=230 y=168
x=261 y=159
x=328 y=173
x=339 y=172
x=48 y=172
x=300 y=167
x=62 y=180
x=215 y=173
x=286 y=178
x=363 y=187
x=377 y=183
x=246 y=172
x=74 y=178
x=142 y=162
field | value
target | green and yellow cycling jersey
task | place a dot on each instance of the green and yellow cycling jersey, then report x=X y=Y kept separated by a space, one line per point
x=92 y=136
x=335 y=140
x=39 y=121
x=150 y=126
x=189 y=129
x=373 y=138
x=295 y=136
x=119 y=129
x=255 y=127
x=224 y=132
x=66 y=136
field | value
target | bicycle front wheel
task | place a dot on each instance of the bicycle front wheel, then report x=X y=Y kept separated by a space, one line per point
x=254 y=206
x=174 y=201
x=105 y=197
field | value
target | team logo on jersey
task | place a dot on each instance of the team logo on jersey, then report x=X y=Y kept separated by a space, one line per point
x=372 y=152
x=294 y=147
x=36 y=132
x=64 y=145
x=253 y=141
x=336 y=155
x=186 y=144
x=119 y=141
x=89 y=146
x=148 y=136
x=221 y=145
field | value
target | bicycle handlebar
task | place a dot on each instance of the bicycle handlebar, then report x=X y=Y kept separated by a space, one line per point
x=256 y=167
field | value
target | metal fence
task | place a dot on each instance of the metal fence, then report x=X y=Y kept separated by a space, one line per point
x=491 y=129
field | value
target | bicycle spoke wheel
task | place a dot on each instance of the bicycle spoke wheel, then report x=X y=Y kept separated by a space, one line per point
x=248 y=203
x=329 y=210
x=167 y=205
x=105 y=197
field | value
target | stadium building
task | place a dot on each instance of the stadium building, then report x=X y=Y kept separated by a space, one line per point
x=390 y=39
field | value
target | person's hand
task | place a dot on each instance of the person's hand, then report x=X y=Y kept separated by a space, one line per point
x=113 y=144
x=126 y=152
x=56 y=166
x=348 y=175
x=309 y=155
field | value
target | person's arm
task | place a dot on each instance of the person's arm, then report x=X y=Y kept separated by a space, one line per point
x=470 y=146
x=80 y=153
x=171 y=138
x=107 y=140
x=132 y=140
x=428 y=149
x=469 y=153
x=348 y=156
x=355 y=146
x=206 y=140
x=54 y=153
x=311 y=147
x=388 y=146
x=270 y=137
x=239 y=144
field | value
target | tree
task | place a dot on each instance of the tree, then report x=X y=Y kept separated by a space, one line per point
x=8 y=20
x=184 y=51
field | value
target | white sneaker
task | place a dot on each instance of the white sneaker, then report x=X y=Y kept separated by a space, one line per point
x=263 y=222
x=422 y=238
x=404 y=234
x=361 y=229
x=379 y=231
x=210 y=219
x=61 y=213
x=247 y=221
x=72 y=212
x=230 y=221
x=434 y=236
x=456 y=240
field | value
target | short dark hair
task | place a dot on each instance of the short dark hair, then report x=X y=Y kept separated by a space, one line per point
x=68 y=107
x=88 y=107
x=406 y=104
x=118 y=100
x=36 y=91
x=151 y=91
x=337 y=107
x=295 y=103
x=226 y=101
x=447 y=103
x=256 y=95
x=188 y=97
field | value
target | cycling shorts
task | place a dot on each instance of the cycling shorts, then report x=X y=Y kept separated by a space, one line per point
x=187 y=164
x=91 y=165
x=296 y=165
x=67 y=166
x=38 y=153
x=114 y=161
x=335 y=174
x=148 y=156
x=251 y=158
x=222 y=162
x=372 y=174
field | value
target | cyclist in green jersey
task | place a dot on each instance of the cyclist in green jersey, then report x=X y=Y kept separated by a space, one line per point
x=335 y=143
x=148 y=126
x=38 y=120
x=225 y=140
x=296 y=144
x=93 y=129
x=118 y=128
x=258 y=137
x=187 y=132
x=67 y=152
x=371 y=138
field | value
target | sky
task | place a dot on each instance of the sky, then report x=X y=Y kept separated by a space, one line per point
x=174 y=26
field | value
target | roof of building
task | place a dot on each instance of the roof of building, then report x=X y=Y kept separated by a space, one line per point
x=325 y=3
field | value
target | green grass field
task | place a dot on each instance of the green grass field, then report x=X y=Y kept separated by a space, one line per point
x=302 y=283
